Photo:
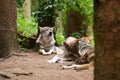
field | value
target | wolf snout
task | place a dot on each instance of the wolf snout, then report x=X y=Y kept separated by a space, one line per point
x=50 y=33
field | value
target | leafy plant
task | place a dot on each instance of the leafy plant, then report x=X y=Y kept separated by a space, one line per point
x=60 y=38
x=19 y=3
x=49 y=9
x=86 y=9
x=76 y=34
x=26 y=26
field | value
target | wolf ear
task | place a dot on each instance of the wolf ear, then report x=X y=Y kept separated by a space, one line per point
x=65 y=44
x=52 y=28
x=40 y=28
x=77 y=41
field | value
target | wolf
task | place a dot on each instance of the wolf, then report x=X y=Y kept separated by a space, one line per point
x=66 y=53
x=85 y=60
x=46 y=40
x=78 y=50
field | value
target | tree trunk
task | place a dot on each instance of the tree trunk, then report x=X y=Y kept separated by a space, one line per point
x=107 y=39
x=58 y=23
x=74 y=21
x=27 y=8
x=8 y=44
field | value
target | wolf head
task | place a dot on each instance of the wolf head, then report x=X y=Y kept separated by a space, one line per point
x=86 y=52
x=46 y=37
x=86 y=40
x=46 y=34
x=71 y=45
x=46 y=31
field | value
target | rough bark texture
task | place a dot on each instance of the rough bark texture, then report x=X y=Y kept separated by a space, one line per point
x=8 y=42
x=107 y=39
x=74 y=21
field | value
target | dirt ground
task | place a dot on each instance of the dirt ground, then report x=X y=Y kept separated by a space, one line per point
x=32 y=66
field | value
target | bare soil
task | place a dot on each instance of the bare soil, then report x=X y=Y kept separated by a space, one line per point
x=32 y=66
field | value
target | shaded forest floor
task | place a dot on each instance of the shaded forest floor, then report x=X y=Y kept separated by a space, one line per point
x=32 y=66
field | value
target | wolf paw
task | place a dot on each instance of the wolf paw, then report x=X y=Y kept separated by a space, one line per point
x=65 y=67
x=49 y=53
x=51 y=61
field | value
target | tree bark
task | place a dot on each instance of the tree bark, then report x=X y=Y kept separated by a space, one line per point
x=8 y=44
x=107 y=39
x=58 y=23
x=74 y=21
x=27 y=8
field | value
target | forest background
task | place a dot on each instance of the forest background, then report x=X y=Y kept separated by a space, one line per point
x=69 y=17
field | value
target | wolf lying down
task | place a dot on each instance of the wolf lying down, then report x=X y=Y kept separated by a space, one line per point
x=78 y=50
x=46 y=40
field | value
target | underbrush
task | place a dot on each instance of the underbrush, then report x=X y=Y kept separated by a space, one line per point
x=26 y=30
x=26 y=26
x=59 y=38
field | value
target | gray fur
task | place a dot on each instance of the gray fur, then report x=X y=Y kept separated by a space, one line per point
x=46 y=40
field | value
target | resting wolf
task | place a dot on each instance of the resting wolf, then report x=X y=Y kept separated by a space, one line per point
x=78 y=50
x=85 y=59
x=46 y=40
x=64 y=53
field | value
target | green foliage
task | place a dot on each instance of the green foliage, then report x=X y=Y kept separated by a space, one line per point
x=26 y=26
x=64 y=18
x=34 y=6
x=49 y=9
x=86 y=9
x=21 y=41
x=60 y=38
x=46 y=11
x=19 y=3
x=76 y=34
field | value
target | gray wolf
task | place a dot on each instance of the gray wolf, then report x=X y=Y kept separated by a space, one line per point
x=78 y=50
x=85 y=60
x=46 y=40
x=65 y=53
